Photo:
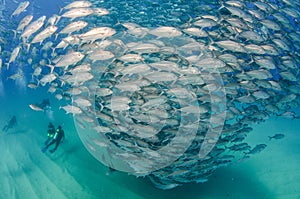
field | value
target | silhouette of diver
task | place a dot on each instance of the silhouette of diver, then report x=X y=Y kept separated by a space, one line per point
x=45 y=104
x=50 y=133
x=58 y=137
x=12 y=122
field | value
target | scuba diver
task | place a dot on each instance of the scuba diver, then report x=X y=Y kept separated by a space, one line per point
x=58 y=137
x=12 y=122
x=45 y=104
x=50 y=133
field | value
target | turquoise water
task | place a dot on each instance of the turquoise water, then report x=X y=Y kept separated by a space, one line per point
x=73 y=172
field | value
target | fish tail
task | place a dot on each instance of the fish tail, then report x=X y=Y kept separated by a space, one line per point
x=118 y=23
x=222 y=5
x=270 y=138
x=28 y=47
x=101 y=107
x=60 y=9
x=51 y=68
x=56 y=35
x=58 y=18
x=15 y=33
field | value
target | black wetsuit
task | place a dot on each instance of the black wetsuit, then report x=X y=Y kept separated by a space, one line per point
x=45 y=103
x=57 y=138
x=12 y=122
x=50 y=134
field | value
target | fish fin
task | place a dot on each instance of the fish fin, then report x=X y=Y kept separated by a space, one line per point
x=51 y=67
x=270 y=138
x=101 y=107
x=60 y=9
x=28 y=46
x=15 y=33
x=296 y=117
x=58 y=19
x=222 y=5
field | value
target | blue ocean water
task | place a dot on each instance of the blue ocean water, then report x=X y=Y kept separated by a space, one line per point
x=72 y=172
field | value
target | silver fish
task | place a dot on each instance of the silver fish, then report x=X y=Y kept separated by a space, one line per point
x=24 y=22
x=47 y=32
x=74 y=26
x=71 y=109
x=78 y=4
x=33 y=27
x=13 y=55
x=21 y=7
x=36 y=108
x=165 y=31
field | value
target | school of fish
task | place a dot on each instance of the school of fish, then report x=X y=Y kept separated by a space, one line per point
x=170 y=98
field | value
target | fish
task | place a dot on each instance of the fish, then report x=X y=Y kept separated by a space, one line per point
x=132 y=69
x=36 y=108
x=78 y=4
x=21 y=7
x=231 y=45
x=100 y=54
x=77 y=12
x=145 y=48
x=254 y=49
x=276 y=136
x=47 y=79
x=82 y=102
x=73 y=27
x=209 y=63
x=270 y=24
x=197 y=32
x=47 y=32
x=132 y=58
x=65 y=42
x=78 y=79
x=257 y=149
x=100 y=11
x=165 y=31
x=236 y=22
x=33 y=27
x=23 y=23
x=54 y=19
x=32 y=85
x=69 y=59
x=251 y=35
x=16 y=76
x=130 y=86
x=37 y=71
x=261 y=95
x=205 y=23
x=13 y=55
x=71 y=109
x=96 y=33
x=81 y=68
x=287 y=114
x=161 y=77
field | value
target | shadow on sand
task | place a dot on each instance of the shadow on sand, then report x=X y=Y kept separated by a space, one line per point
x=231 y=182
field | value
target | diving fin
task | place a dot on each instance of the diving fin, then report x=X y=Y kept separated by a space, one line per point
x=44 y=149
